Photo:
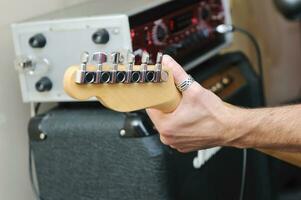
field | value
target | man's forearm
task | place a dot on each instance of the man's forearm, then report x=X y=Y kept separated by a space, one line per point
x=270 y=128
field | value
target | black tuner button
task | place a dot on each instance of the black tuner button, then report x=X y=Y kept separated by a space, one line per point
x=120 y=78
x=89 y=77
x=37 y=41
x=101 y=36
x=161 y=33
x=150 y=76
x=44 y=85
x=105 y=77
x=136 y=77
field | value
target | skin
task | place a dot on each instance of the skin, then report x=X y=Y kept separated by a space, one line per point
x=202 y=120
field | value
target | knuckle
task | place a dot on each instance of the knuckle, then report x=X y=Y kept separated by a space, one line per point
x=182 y=150
x=167 y=131
x=165 y=140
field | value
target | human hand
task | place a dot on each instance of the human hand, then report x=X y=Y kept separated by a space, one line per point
x=202 y=120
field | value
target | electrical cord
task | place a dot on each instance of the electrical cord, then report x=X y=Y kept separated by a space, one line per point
x=243 y=175
x=224 y=29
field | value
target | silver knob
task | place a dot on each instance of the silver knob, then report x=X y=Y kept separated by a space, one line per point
x=159 y=58
x=115 y=58
x=24 y=64
x=145 y=58
x=84 y=58
x=144 y=63
x=131 y=58
x=158 y=75
x=81 y=74
x=131 y=62
x=99 y=58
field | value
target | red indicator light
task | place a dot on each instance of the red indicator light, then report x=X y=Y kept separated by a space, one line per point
x=133 y=34
x=172 y=25
x=194 y=21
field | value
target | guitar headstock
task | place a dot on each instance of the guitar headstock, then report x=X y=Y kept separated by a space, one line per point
x=123 y=86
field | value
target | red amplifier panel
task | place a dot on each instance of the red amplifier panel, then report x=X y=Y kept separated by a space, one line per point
x=182 y=29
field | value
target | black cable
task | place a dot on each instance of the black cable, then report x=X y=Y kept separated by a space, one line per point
x=243 y=175
x=261 y=83
x=259 y=59
x=224 y=29
x=37 y=107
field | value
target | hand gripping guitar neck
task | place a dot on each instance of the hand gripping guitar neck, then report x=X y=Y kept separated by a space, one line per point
x=130 y=87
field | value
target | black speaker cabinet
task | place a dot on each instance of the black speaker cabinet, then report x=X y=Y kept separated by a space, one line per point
x=92 y=153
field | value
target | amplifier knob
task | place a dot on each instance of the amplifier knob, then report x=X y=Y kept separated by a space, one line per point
x=101 y=36
x=227 y=80
x=44 y=84
x=37 y=41
x=159 y=33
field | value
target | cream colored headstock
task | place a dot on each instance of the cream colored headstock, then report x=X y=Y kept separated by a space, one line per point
x=125 y=97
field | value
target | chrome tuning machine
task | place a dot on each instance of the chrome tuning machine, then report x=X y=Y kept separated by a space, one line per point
x=146 y=76
x=129 y=69
x=129 y=75
x=81 y=74
x=101 y=76
x=158 y=68
x=115 y=58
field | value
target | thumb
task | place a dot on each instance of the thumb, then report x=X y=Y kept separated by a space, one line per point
x=178 y=72
x=180 y=75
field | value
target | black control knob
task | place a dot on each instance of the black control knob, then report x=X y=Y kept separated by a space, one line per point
x=161 y=33
x=101 y=36
x=37 y=41
x=44 y=84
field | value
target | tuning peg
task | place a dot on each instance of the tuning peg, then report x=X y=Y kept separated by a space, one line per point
x=158 y=67
x=115 y=58
x=100 y=58
x=145 y=58
x=144 y=63
x=159 y=58
x=130 y=64
x=84 y=58
x=81 y=74
x=131 y=58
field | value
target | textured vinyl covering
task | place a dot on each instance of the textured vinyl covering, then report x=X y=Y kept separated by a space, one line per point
x=87 y=160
